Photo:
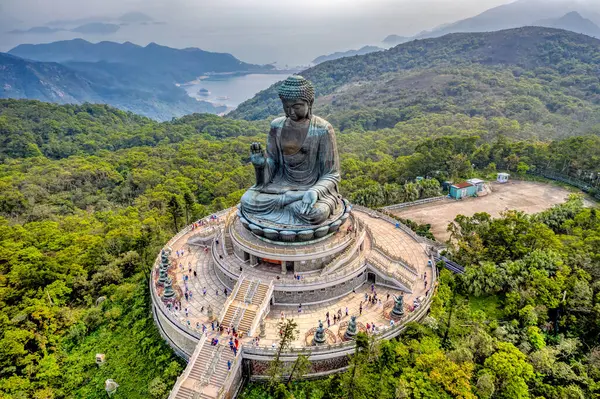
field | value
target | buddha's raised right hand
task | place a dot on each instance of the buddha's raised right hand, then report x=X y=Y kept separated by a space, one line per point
x=257 y=155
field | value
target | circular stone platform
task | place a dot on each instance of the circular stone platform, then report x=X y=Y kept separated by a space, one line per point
x=268 y=281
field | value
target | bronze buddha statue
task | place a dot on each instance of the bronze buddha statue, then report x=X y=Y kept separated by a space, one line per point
x=297 y=178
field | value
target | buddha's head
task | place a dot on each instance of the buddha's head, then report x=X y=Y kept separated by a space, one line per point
x=297 y=96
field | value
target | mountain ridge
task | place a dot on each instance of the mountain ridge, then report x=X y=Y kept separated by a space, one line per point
x=509 y=16
x=457 y=73
x=138 y=78
x=63 y=84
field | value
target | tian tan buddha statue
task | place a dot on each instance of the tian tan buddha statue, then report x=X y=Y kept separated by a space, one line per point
x=296 y=190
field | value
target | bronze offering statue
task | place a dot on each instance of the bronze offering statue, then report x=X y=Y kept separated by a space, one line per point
x=296 y=191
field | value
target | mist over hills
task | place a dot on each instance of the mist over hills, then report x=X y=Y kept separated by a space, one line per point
x=128 y=76
x=574 y=22
x=339 y=54
x=513 y=15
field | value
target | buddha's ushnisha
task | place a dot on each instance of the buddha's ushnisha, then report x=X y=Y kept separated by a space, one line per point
x=297 y=178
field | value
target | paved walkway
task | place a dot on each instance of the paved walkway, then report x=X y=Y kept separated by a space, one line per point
x=208 y=370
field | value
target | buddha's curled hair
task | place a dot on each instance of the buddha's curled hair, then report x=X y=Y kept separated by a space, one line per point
x=296 y=87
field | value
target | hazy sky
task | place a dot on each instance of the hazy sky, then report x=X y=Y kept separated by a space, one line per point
x=290 y=32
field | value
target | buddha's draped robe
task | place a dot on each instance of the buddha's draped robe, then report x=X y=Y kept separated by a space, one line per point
x=315 y=166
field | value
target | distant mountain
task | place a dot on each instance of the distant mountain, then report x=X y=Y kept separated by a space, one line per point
x=136 y=78
x=541 y=78
x=45 y=81
x=517 y=14
x=98 y=28
x=349 y=53
x=394 y=40
x=161 y=62
x=54 y=82
x=574 y=22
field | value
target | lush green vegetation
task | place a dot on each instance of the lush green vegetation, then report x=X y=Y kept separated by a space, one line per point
x=83 y=220
x=537 y=82
x=88 y=194
x=522 y=322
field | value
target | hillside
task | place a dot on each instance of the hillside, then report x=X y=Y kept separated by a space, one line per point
x=112 y=84
x=45 y=81
x=534 y=76
x=130 y=77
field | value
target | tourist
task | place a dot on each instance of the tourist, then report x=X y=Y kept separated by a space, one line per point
x=220 y=256
x=391 y=322
x=228 y=364
x=217 y=292
x=360 y=309
x=425 y=284
x=380 y=305
x=334 y=319
x=328 y=323
x=186 y=312
x=387 y=298
x=182 y=252
x=368 y=328
x=195 y=274
x=202 y=309
x=186 y=296
x=203 y=328
x=366 y=296
x=300 y=308
x=212 y=325
x=225 y=291
x=327 y=315
x=372 y=287
x=190 y=294
x=204 y=291
x=197 y=325
x=339 y=313
x=346 y=310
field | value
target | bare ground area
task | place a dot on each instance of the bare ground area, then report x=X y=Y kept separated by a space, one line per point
x=524 y=196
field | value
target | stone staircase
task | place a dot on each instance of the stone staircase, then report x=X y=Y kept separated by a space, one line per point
x=242 y=311
x=208 y=370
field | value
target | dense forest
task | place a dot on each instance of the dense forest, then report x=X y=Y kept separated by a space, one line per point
x=544 y=79
x=84 y=208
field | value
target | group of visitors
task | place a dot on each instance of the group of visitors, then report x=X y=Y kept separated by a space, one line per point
x=337 y=317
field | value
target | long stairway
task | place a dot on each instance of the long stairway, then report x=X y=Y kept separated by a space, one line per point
x=208 y=370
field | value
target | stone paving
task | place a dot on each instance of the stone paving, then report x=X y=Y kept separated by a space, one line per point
x=199 y=259
x=394 y=240
x=190 y=258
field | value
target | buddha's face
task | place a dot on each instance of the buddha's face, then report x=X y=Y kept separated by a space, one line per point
x=296 y=110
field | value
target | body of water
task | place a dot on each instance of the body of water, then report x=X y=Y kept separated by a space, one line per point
x=232 y=90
